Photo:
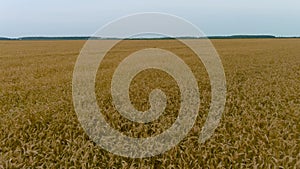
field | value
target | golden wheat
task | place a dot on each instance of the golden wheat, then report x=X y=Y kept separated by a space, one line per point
x=260 y=126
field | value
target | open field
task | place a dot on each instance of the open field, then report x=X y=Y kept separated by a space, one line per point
x=260 y=126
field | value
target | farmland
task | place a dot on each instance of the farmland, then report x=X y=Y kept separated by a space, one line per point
x=260 y=126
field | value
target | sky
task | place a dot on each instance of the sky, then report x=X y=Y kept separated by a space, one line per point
x=84 y=17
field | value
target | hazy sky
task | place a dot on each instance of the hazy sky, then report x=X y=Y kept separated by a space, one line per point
x=84 y=17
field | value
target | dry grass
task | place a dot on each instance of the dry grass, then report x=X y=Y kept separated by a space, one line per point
x=260 y=126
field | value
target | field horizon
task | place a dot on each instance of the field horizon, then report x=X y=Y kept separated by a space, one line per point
x=79 y=37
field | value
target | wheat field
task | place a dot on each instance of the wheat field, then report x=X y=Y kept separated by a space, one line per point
x=260 y=127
